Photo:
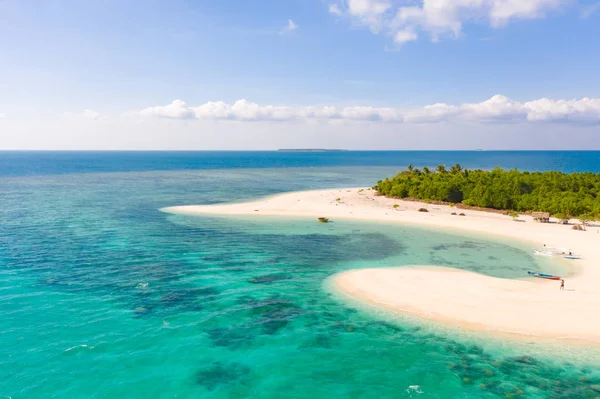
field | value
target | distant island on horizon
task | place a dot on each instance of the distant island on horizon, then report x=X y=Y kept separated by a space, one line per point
x=310 y=150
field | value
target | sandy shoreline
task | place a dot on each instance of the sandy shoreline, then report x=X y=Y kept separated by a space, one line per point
x=460 y=298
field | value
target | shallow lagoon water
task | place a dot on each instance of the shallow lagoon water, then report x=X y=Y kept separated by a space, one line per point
x=102 y=296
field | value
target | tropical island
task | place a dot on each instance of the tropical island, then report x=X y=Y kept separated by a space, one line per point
x=563 y=195
x=519 y=308
x=310 y=150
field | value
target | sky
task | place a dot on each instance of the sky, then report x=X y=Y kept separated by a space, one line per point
x=268 y=74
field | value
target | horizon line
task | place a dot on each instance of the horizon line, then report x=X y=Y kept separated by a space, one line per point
x=308 y=150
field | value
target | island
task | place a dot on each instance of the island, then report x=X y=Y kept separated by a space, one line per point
x=310 y=150
x=563 y=195
x=523 y=308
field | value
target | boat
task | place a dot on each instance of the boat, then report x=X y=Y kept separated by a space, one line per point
x=561 y=251
x=323 y=220
x=547 y=251
x=542 y=275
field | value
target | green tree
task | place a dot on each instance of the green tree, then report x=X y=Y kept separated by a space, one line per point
x=563 y=195
x=456 y=169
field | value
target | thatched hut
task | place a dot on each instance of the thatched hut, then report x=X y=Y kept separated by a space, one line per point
x=542 y=217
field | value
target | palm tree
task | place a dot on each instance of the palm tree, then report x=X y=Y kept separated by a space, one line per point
x=456 y=169
x=411 y=167
x=426 y=170
x=441 y=168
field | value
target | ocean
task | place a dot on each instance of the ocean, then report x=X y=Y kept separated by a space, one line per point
x=104 y=296
x=19 y=163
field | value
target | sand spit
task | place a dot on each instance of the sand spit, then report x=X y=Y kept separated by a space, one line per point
x=468 y=300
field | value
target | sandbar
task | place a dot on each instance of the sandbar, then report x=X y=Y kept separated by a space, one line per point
x=525 y=307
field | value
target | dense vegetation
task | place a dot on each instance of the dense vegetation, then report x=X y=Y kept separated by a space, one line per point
x=563 y=195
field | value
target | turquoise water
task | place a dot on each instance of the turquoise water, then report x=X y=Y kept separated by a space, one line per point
x=104 y=296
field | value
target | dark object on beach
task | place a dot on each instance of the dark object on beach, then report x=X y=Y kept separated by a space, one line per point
x=578 y=227
x=542 y=275
x=323 y=220
x=453 y=213
x=423 y=210
x=461 y=214
x=542 y=217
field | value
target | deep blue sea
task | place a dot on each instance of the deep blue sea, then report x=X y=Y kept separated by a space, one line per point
x=19 y=163
x=104 y=296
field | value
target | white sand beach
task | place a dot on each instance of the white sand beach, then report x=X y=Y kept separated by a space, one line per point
x=527 y=307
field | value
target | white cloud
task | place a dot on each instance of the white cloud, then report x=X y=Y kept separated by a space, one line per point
x=290 y=27
x=335 y=9
x=89 y=114
x=431 y=113
x=438 y=17
x=584 y=110
x=177 y=109
x=405 y=35
x=497 y=109
x=369 y=12
x=502 y=11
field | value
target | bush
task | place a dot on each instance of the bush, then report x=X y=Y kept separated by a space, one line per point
x=396 y=206
x=423 y=210
x=573 y=195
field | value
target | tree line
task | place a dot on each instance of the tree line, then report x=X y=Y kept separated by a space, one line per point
x=563 y=195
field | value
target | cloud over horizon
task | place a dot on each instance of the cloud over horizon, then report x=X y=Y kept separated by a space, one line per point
x=438 y=18
x=90 y=114
x=497 y=109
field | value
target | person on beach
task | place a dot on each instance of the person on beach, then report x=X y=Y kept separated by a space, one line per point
x=562 y=284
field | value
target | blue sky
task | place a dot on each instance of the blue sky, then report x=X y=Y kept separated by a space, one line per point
x=98 y=75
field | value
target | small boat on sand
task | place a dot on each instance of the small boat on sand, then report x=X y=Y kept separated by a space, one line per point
x=552 y=252
x=542 y=275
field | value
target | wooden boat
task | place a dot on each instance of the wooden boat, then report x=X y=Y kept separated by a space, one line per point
x=547 y=251
x=323 y=220
x=542 y=275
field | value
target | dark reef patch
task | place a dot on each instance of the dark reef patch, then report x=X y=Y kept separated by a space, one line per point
x=268 y=279
x=217 y=374
x=232 y=337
